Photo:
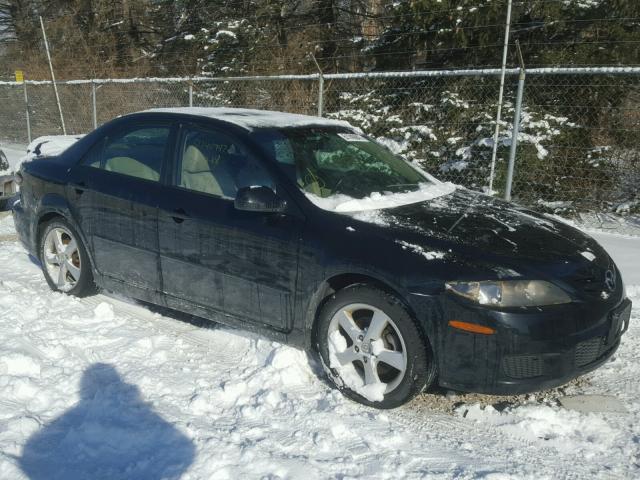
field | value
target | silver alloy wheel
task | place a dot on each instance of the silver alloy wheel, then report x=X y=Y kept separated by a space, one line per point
x=375 y=346
x=62 y=258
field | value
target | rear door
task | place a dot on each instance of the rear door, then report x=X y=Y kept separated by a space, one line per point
x=115 y=191
x=239 y=264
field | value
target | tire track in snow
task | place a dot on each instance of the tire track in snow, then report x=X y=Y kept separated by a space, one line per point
x=228 y=358
x=200 y=337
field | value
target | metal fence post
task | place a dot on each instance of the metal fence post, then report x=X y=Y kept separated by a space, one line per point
x=26 y=106
x=514 y=135
x=53 y=78
x=496 y=133
x=320 y=95
x=190 y=93
x=93 y=104
x=320 y=86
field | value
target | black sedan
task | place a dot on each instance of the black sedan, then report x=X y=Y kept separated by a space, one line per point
x=304 y=230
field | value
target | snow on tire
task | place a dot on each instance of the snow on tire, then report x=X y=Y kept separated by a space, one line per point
x=371 y=348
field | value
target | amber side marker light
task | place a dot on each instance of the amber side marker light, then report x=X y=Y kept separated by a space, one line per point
x=471 y=327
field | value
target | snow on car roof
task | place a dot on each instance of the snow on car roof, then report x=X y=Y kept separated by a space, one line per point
x=253 y=118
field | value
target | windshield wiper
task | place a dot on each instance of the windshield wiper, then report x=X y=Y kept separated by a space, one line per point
x=403 y=185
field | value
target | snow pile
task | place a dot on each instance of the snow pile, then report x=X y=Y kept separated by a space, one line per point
x=377 y=200
x=570 y=432
x=7 y=226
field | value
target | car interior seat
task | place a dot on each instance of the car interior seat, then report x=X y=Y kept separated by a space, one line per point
x=131 y=166
x=197 y=174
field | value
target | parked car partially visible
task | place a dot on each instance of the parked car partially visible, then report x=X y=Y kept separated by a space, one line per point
x=45 y=146
x=8 y=187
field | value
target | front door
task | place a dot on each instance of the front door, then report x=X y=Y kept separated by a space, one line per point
x=242 y=265
x=115 y=192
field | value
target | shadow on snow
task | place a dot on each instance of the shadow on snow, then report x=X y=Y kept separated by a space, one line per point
x=111 y=433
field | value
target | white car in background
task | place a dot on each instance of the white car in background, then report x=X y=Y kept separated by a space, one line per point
x=8 y=187
x=40 y=147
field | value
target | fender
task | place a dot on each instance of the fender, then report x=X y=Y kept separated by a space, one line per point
x=340 y=277
x=55 y=204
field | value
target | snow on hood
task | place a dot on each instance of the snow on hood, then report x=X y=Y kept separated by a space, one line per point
x=49 y=145
x=377 y=200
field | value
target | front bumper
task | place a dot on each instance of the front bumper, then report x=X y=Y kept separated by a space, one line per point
x=530 y=351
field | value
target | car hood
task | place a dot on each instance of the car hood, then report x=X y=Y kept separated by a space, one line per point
x=480 y=224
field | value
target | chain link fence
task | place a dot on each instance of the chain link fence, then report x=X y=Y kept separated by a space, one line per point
x=578 y=142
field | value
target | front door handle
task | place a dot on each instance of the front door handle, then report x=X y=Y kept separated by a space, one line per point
x=179 y=215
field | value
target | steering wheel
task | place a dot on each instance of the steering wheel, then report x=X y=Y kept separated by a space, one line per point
x=355 y=185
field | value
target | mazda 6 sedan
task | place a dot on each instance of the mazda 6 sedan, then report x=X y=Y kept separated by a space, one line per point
x=304 y=230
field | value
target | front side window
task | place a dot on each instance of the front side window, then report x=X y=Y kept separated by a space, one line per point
x=136 y=153
x=211 y=162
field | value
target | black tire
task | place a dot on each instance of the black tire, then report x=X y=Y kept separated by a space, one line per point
x=84 y=285
x=420 y=368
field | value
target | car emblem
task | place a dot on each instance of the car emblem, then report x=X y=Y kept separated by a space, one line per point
x=610 y=280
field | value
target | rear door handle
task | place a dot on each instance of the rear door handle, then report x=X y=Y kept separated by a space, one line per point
x=179 y=215
x=79 y=187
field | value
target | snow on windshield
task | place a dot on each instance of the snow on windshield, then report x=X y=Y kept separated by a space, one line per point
x=379 y=200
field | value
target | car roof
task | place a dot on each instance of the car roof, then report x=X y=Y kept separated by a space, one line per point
x=252 y=119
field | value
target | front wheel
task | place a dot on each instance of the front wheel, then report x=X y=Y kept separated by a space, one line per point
x=64 y=259
x=371 y=348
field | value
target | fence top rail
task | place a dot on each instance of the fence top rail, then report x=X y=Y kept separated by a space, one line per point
x=481 y=72
x=102 y=81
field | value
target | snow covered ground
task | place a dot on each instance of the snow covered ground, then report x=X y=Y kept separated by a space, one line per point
x=103 y=388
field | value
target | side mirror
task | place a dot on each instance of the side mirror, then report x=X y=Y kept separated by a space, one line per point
x=259 y=199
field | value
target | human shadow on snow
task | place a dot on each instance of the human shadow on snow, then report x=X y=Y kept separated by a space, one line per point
x=111 y=433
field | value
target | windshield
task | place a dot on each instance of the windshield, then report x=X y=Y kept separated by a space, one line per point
x=333 y=168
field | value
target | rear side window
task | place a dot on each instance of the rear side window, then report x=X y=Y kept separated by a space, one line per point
x=138 y=152
x=211 y=162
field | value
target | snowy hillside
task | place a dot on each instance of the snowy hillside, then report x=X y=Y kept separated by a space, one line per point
x=102 y=388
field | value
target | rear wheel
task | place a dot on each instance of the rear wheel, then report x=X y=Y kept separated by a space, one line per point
x=64 y=259
x=371 y=348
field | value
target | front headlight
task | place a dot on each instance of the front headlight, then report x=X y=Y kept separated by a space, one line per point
x=510 y=293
